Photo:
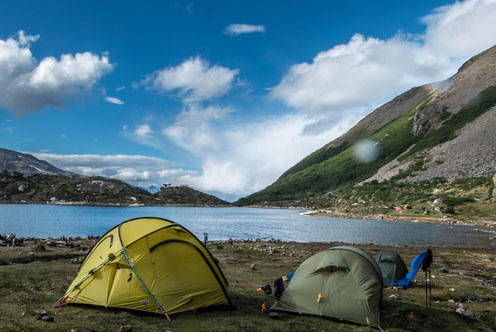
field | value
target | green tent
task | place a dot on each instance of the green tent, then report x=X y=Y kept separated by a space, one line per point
x=340 y=282
x=392 y=267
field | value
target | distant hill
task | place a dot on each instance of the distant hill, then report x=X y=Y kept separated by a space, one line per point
x=27 y=164
x=26 y=179
x=186 y=195
x=443 y=131
x=58 y=189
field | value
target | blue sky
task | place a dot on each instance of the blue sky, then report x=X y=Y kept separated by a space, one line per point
x=221 y=95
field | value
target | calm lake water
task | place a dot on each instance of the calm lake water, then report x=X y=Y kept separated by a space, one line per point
x=237 y=223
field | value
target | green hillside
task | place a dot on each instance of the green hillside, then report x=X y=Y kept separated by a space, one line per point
x=335 y=168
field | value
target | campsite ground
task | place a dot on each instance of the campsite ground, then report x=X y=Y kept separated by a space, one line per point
x=34 y=276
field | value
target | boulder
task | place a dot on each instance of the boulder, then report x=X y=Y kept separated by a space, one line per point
x=126 y=328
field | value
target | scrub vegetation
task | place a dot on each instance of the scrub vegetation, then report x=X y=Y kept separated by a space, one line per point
x=464 y=275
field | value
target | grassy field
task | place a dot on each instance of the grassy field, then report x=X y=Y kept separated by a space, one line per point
x=32 y=279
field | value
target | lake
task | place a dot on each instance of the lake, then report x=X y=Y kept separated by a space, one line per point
x=232 y=222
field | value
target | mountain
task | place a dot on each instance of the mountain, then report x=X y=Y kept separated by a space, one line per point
x=26 y=179
x=153 y=189
x=230 y=197
x=185 y=195
x=27 y=164
x=59 y=189
x=437 y=133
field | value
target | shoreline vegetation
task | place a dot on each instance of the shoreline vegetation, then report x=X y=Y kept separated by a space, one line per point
x=37 y=271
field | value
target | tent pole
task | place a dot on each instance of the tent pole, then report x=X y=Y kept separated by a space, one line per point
x=63 y=298
x=146 y=288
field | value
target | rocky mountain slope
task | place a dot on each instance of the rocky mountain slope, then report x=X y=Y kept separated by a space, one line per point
x=27 y=164
x=26 y=179
x=441 y=131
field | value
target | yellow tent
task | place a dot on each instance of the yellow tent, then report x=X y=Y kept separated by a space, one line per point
x=149 y=264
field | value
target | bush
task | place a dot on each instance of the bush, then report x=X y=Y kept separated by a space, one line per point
x=450 y=209
x=39 y=246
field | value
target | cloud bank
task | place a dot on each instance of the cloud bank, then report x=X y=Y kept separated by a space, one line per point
x=135 y=169
x=28 y=84
x=367 y=69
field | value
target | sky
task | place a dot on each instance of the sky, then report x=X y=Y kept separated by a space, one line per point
x=223 y=96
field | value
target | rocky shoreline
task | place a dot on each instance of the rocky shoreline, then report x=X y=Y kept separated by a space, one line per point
x=445 y=220
x=405 y=218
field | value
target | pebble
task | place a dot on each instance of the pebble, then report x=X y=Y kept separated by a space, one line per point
x=41 y=313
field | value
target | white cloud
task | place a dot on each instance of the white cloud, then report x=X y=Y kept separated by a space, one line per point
x=238 y=29
x=26 y=40
x=462 y=29
x=28 y=85
x=192 y=131
x=135 y=169
x=194 y=80
x=143 y=130
x=63 y=136
x=120 y=88
x=113 y=100
x=144 y=134
x=362 y=71
x=7 y=129
x=242 y=159
x=368 y=70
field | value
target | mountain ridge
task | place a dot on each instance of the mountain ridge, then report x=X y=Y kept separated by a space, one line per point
x=409 y=132
x=27 y=179
x=14 y=161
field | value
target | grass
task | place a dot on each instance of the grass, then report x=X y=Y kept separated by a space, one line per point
x=37 y=285
x=465 y=199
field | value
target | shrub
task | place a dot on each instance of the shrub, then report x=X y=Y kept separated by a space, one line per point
x=39 y=246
